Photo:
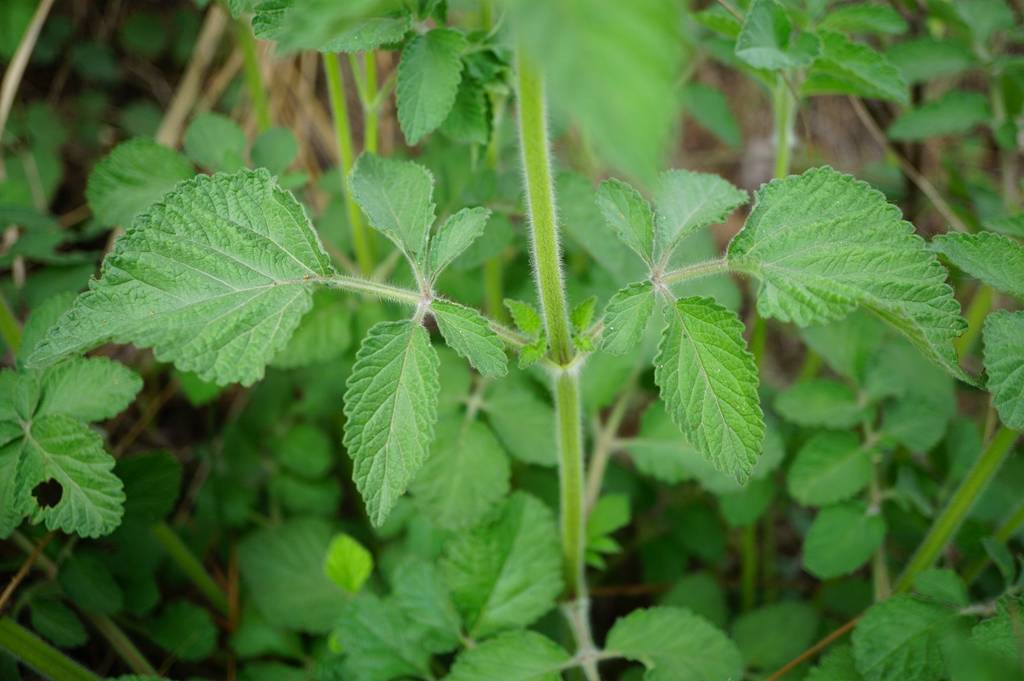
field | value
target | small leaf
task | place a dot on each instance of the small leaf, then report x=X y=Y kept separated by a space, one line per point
x=57 y=623
x=523 y=421
x=469 y=121
x=512 y=656
x=710 y=108
x=767 y=37
x=774 y=634
x=675 y=645
x=1004 y=364
x=708 y=380
x=215 y=142
x=274 y=149
x=525 y=317
x=467 y=332
x=688 y=201
x=151 y=485
x=185 y=631
x=820 y=402
x=927 y=58
x=390 y=407
x=899 y=639
x=841 y=539
x=397 y=197
x=954 y=113
x=428 y=80
x=348 y=564
x=865 y=17
x=629 y=215
x=985 y=17
x=850 y=68
x=836 y=665
x=994 y=259
x=456 y=235
x=830 y=467
x=625 y=318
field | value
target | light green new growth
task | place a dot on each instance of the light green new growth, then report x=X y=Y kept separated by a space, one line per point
x=391 y=408
x=708 y=380
x=823 y=243
x=348 y=564
x=428 y=80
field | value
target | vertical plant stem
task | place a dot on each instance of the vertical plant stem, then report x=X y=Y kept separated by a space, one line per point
x=253 y=76
x=343 y=133
x=945 y=525
x=748 y=566
x=10 y=329
x=36 y=653
x=371 y=113
x=570 y=475
x=879 y=561
x=977 y=310
x=183 y=557
x=784 y=109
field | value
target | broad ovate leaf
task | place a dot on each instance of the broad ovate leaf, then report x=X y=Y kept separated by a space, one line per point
x=390 y=407
x=851 y=68
x=767 y=39
x=708 y=380
x=1004 y=363
x=954 y=113
x=841 y=539
x=467 y=332
x=686 y=202
x=625 y=318
x=456 y=235
x=830 y=467
x=823 y=244
x=512 y=656
x=214 y=278
x=629 y=215
x=428 y=80
x=991 y=258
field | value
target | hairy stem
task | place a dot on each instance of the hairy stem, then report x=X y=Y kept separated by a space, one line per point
x=696 y=271
x=183 y=557
x=253 y=76
x=944 y=527
x=394 y=294
x=343 y=134
x=570 y=475
x=36 y=653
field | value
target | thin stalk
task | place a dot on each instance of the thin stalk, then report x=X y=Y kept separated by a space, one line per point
x=394 y=294
x=944 y=527
x=1007 y=157
x=606 y=443
x=10 y=329
x=253 y=75
x=183 y=557
x=977 y=310
x=696 y=271
x=783 y=108
x=1002 y=535
x=36 y=653
x=371 y=111
x=343 y=134
x=748 y=566
x=12 y=586
x=121 y=644
x=879 y=561
x=570 y=476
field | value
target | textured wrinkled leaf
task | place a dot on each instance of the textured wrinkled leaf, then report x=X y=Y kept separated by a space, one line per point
x=348 y=564
x=466 y=475
x=329 y=26
x=899 y=639
x=456 y=235
x=215 y=279
x=1011 y=225
x=625 y=318
x=397 y=197
x=131 y=178
x=419 y=591
x=688 y=201
x=767 y=39
x=849 y=68
x=65 y=450
x=954 y=113
x=992 y=258
x=378 y=642
x=1004 y=363
x=89 y=389
x=823 y=243
x=505 y=573
x=865 y=17
x=390 y=407
x=675 y=645
x=830 y=467
x=820 y=402
x=512 y=656
x=841 y=539
x=629 y=215
x=428 y=80
x=185 y=631
x=708 y=380
x=467 y=332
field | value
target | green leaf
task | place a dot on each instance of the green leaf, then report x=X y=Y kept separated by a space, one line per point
x=467 y=332
x=390 y=407
x=767 y=39
x=418 y=590
x=942 y=586
x=841 y=539
x=324 y=334
x=708 y=380
x=899 y=639
x=214 y=279
x=216 y=142
x=525 y=317
x=506 y=573
x=985 y=17
x=40 y=319
x=582 y=316
x=1011 y=225
x=456 y=235
x=675 y=645
x=469 y=121
x=771 y=636
x=954 y=113
x=688 y=201
x=397 y=197
x=186 y=631
x=466 y=475
x=88 y=582
x=378 y=642
x=152 y=483
x=836 y=665
x=848 y=68
x=660 y=451
x=830 y=467
x=57 y=623
x=68 y=452
x=992 y=258
x=823 y=243
x=849 y=345
x=88 y=389
x=710 y=108
x=512 y=656
x=865 y=17
x=274 y=149
x=820 y=402
x=304 y=450
x=1004 y=364
x=329 y=26
x=283 y=568
x=524 y=422
x=348 y=564
x=131 y=178
x=625 y=318
x=927 y=58
x=629 y=215
x=745 y=506
x=428 y=80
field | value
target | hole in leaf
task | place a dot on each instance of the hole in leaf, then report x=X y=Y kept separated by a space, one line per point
x=48 y=493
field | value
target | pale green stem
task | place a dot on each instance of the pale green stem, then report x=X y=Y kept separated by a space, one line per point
x=945 y=525
x=373 y=288
x=784 y=109
x=190 y=565
x=1002 y=535
x=606 y=441
x=696 y=271
x=253 y=76
x=977 y=310
x=371 y=113
x=343 y=133
x=879 y=561
x=570 y=473
x=39 y=655
x=10 y=329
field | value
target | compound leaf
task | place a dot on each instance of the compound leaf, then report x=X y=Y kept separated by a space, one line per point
x=215 y=278
x=390 y=407
x=467 y=332
x=428 y=80
x=823 y=243
x=708 y=380
x=992 y=258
